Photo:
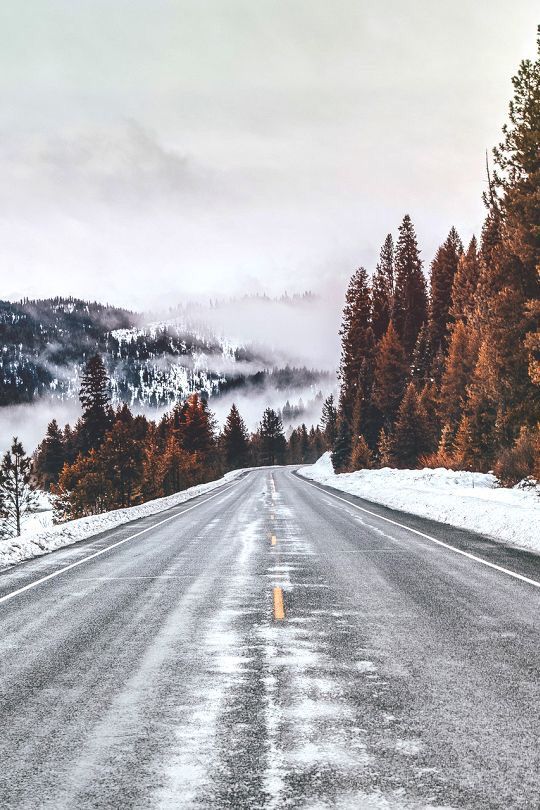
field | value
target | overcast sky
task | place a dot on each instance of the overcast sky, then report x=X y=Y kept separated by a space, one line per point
x=151 y=149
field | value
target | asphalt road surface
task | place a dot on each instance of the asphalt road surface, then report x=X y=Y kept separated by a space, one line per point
x=272 y=646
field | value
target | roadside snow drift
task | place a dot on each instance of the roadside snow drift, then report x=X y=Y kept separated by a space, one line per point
x=35 y=541
x=466 y=500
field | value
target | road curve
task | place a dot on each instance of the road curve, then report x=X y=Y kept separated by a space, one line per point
x=272 y=647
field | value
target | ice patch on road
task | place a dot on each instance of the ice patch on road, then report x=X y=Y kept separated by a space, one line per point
x=359 y=800
x=410 y=748
x=366 y=666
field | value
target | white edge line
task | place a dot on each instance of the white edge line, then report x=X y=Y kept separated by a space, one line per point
x=37 y=582
x=467 y=554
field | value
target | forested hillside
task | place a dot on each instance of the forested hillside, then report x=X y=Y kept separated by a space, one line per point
x=445 y=371
x=45 y=345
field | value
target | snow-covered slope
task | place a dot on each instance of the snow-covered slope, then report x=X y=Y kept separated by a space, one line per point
x=152 y=364
x=36 y=540
x=463 y=499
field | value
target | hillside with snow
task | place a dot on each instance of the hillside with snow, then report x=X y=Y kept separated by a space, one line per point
x=152 y=362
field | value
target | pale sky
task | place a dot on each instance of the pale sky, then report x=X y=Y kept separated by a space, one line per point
x=151 y=149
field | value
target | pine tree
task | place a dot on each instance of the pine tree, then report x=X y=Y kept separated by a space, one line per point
x=17 y=495
x=410 y=295
x=444 y=456
x=391 y=373
x=422 y=358
x=120 y=455
x=82 y=489
x=329 y=421
x=475 y=438
x=410 y=439
x=517 y=178
x=368 y=418
x=443 y=270
x=465 y=284
x=361 y=457
x=383 y=289
x=50 y=456
x=341 y=454
x=305 y=447
x=235 y=440
x=180 y=469
x=532 y=340
x=293 y=448
x=94 y=397
x=355 y=338
x=272 y=441
x=428 y=399
x=152 y=467
x=317 y=443
x=384 y=449
x=196 y=428
x=460 y=363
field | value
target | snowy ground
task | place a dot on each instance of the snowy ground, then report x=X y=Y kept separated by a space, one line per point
x=39 y=535
x=466 y=500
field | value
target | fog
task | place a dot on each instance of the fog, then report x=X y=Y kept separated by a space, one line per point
x=29 y=421
x=296 y=331
x=165 y=148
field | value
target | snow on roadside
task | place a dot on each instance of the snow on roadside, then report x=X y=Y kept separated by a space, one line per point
x=39 y=539
x=463 y=499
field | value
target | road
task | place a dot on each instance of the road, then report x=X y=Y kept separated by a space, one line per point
x=271 y=646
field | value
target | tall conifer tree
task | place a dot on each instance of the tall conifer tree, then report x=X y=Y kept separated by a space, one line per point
x=355 y=339
x=410 y=295
x=465 y=284
x=443 y=270
x=94 y=397
x=17 y=494
x=272 y=444
x=235 y=440
x=410 y=439
x=383 y=289
x=391 y=373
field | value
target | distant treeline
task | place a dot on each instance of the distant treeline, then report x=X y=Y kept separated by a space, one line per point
x=112 y=459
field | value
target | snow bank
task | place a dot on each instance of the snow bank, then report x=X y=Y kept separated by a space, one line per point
x=39 y=539
x=463 y=499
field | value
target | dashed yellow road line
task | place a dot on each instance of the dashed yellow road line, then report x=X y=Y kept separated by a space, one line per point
x=279 y=612
x=273 y=540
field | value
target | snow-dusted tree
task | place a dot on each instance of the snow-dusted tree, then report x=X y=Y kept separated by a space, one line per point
x=17 y=493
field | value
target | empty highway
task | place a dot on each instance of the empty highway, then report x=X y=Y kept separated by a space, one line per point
x=272 y=645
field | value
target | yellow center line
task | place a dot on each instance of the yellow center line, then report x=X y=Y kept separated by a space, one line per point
x=273 y=540
x=279 y=612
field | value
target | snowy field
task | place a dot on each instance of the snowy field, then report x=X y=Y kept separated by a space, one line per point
x=39 y=535
x=466 y=500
